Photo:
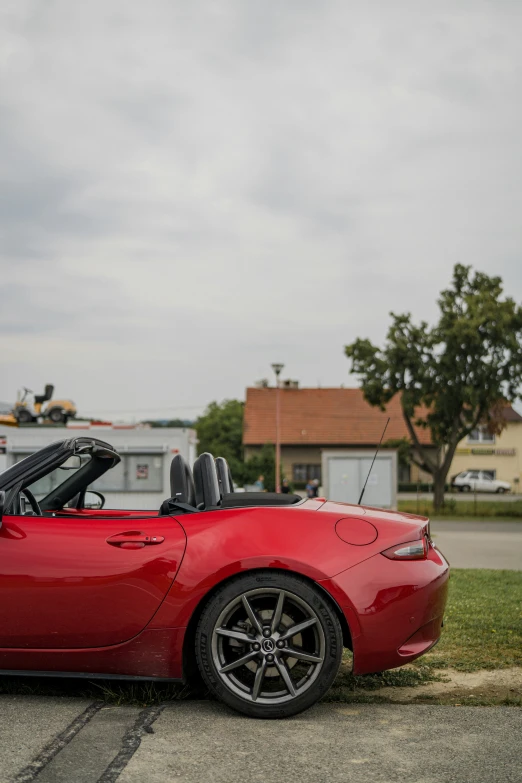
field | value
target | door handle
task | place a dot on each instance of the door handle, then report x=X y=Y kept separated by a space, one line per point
x=134 y=539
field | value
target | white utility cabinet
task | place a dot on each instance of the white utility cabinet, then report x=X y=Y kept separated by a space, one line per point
x=344 y=473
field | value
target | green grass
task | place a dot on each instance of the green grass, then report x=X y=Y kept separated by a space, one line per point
x=483 y=622
x=487 y=509
x=483 y=630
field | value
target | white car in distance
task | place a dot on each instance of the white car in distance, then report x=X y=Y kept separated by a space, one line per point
x=479 y=481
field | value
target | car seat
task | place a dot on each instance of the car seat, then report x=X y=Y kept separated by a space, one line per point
x=206 y=482
x=226 y=485
x=182 y=489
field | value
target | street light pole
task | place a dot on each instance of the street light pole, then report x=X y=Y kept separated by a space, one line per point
x=277 y=369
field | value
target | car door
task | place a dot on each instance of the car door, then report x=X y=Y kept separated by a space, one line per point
x=479 y=483
x=473 y=479
x=83 y=582
x=486 y=482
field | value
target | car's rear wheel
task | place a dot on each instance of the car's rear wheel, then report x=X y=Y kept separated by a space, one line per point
x=269 y=644
x=501 y=490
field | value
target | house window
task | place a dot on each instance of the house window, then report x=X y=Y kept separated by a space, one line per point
x=144 y=472
x=303 y=473
x=481 y=435
x=404 y=473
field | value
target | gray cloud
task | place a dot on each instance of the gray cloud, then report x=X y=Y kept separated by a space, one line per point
x=190 y=191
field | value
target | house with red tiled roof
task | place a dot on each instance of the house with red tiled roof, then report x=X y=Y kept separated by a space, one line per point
x=315 y=419
x=312 y=420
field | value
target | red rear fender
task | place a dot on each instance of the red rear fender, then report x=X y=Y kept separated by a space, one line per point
x=222 y=544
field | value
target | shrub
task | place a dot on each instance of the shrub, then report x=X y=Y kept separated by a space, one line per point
x=411 y=486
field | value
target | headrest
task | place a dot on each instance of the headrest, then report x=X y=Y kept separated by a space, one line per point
x=226 y=485
x=206 y=481
x=181 y=481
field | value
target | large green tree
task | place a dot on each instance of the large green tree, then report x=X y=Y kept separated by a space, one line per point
x=262 y=463
x=461 y=371
x=220 y=431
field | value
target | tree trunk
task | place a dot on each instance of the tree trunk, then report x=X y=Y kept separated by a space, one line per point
x=439 y=480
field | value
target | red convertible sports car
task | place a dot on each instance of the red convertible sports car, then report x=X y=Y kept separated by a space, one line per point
x=257 y=593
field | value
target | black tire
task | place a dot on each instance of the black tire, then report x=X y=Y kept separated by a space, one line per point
x=501 y=490
x=56 y=415
x=24 y=416
x=319 y=644
x=465 y=488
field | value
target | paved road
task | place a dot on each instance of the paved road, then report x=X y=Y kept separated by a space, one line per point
x=70 y=741
x=479 y=544
x=492 y=497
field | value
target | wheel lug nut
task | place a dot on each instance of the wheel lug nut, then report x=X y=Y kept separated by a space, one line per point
x=280 y=643
x=256 y=646
x=266 y=632
x=270 y=658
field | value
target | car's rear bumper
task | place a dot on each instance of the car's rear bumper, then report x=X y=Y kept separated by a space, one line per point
x=394 y=608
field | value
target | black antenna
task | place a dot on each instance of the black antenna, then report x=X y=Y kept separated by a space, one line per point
x=373 y=460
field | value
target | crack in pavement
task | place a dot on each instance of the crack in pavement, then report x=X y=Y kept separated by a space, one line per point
x=51 y=750
x=131 y=742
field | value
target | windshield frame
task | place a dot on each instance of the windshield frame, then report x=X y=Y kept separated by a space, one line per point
x=24 y=473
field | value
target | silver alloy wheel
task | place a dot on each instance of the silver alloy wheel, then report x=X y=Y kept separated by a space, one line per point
x=268 y=646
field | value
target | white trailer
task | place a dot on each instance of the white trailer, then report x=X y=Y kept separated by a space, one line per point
x=140 y=481
x=344 y=473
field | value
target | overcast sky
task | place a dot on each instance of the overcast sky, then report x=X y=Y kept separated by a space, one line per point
x=190 y=191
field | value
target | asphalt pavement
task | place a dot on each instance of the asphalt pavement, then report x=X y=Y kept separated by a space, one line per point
x=74 y=741
x=479 y=544
x=507 y=497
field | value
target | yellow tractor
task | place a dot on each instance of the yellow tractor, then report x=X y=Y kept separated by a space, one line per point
x=30 y=407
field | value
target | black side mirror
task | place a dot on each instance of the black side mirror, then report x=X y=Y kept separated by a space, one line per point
x=2 y=505
x=93 y=500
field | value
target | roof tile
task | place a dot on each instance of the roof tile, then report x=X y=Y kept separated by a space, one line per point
x=322 y=417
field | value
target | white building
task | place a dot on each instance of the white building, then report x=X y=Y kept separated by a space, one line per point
x=140 y=481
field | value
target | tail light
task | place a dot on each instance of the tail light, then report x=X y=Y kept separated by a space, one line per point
x=411 y=550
